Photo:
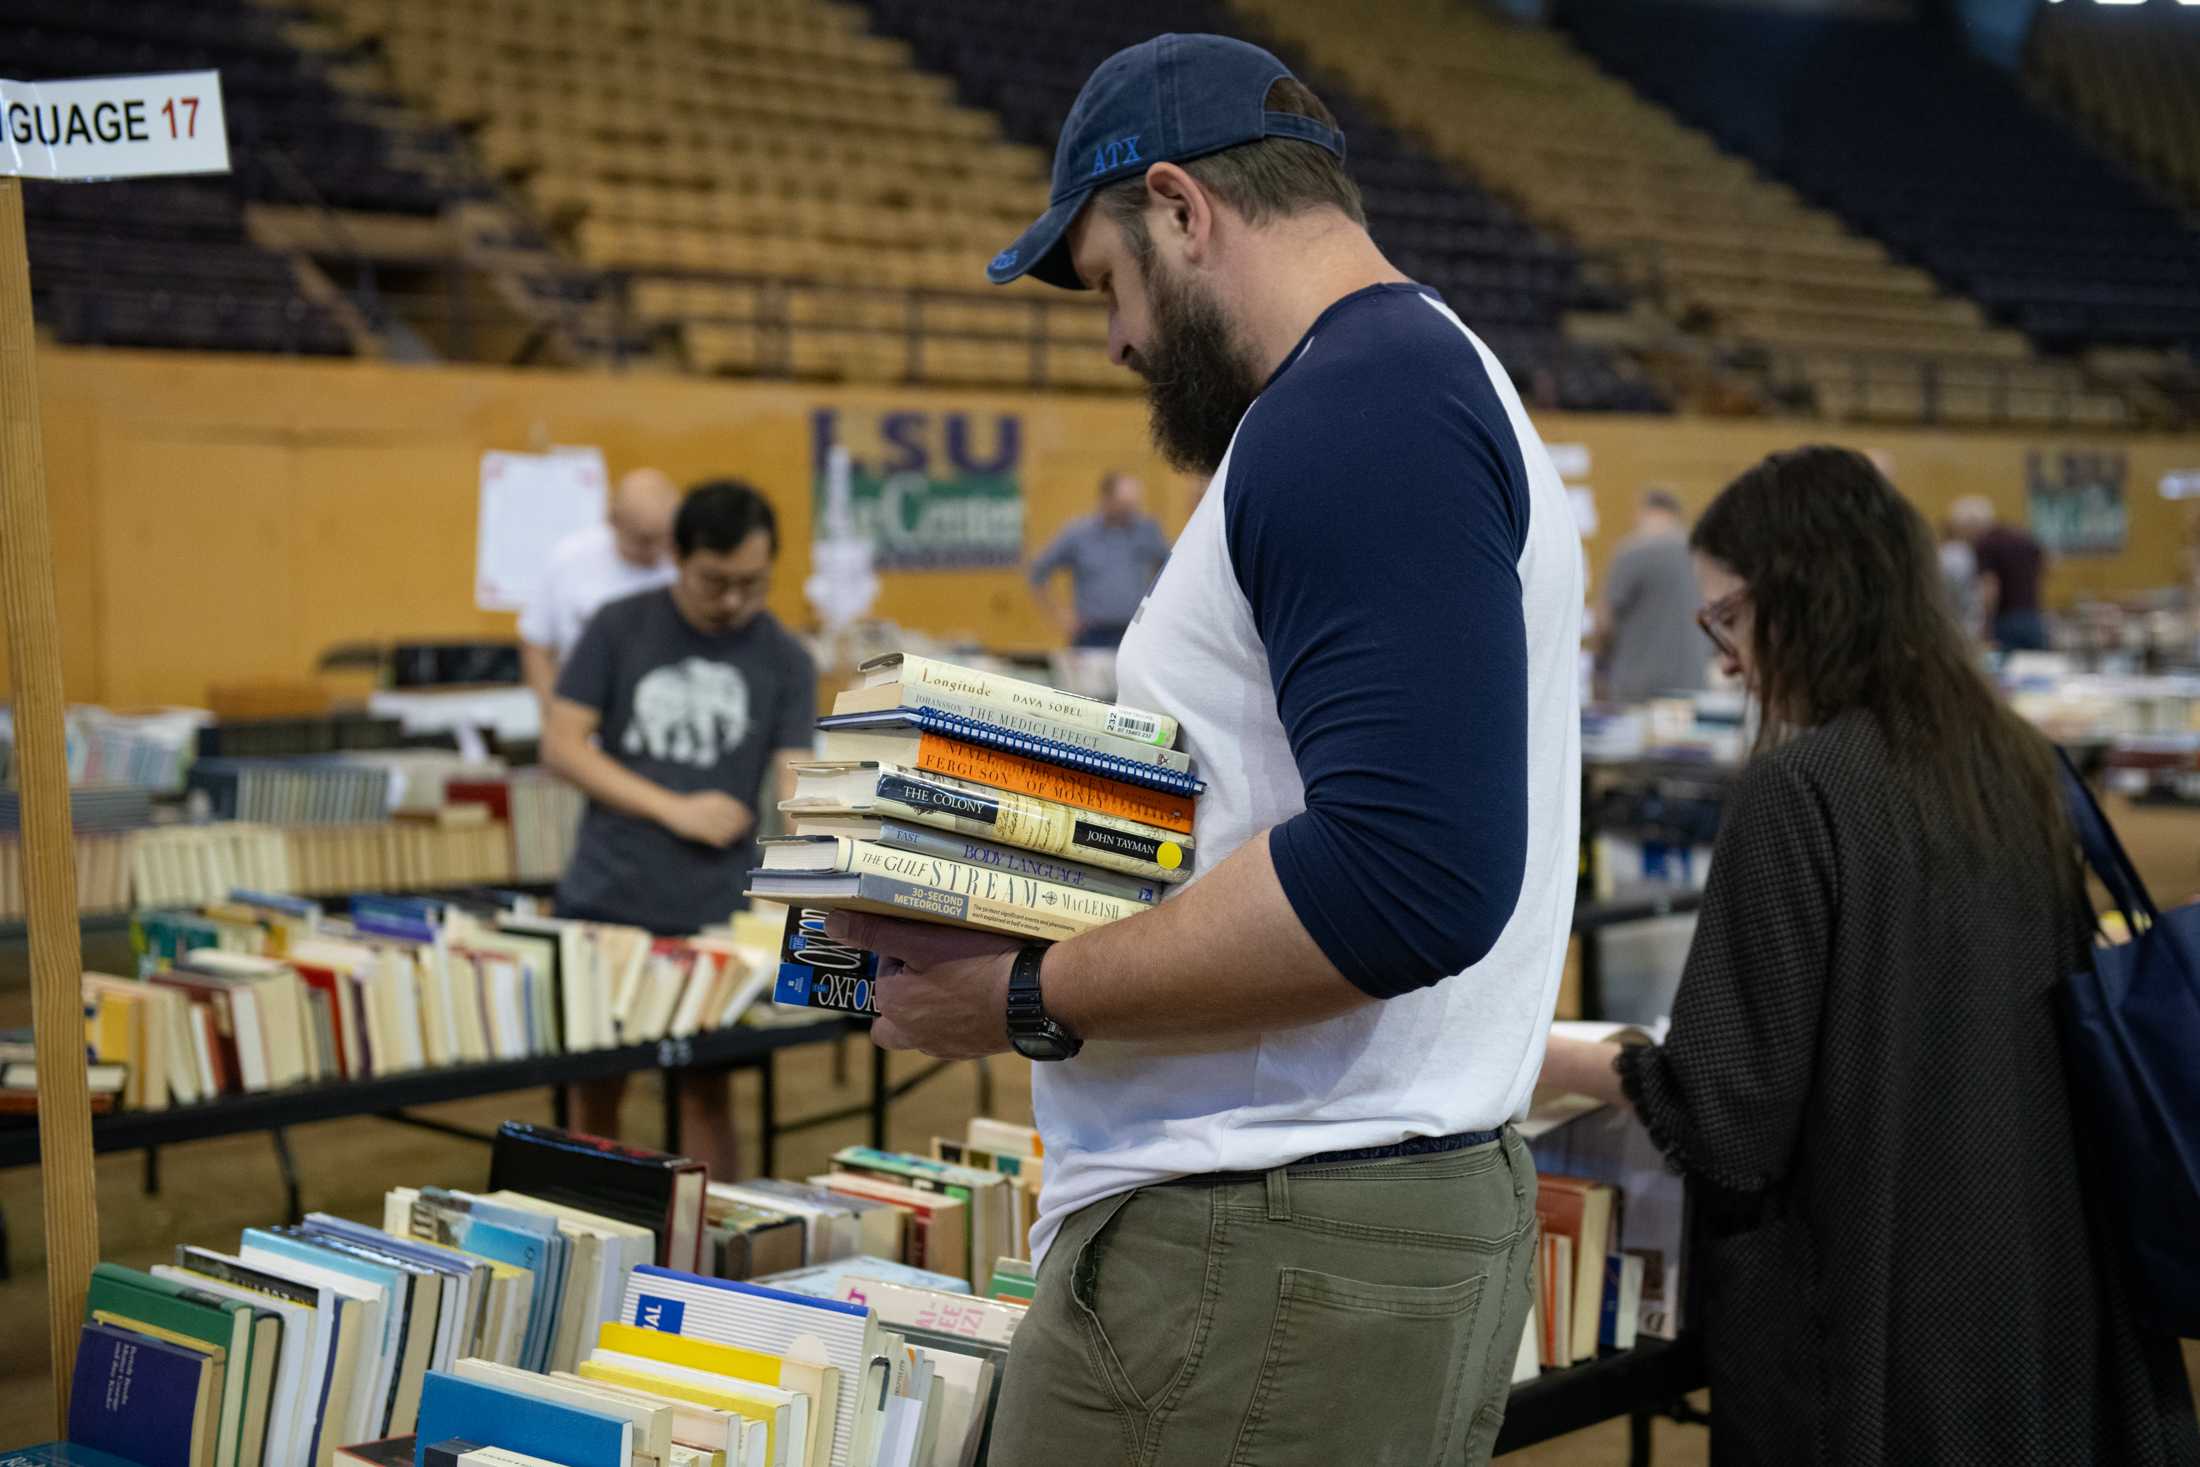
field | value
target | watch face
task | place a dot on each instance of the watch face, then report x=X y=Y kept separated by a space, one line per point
x=1045 y=1044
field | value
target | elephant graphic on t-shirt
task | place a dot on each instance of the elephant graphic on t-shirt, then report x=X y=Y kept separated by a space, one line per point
x=689 y=712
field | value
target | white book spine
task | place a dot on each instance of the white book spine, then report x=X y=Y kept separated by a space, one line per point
x=1088 y=713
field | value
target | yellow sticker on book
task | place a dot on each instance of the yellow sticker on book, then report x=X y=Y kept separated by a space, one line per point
x=1169 y=856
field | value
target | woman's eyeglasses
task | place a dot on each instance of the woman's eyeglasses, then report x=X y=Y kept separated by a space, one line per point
x=1715 y=616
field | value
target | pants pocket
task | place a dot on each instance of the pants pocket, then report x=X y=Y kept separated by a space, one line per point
x=1139 y=1280
x=1370 y=1374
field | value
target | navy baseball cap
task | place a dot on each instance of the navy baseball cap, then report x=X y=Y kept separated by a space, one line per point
x=1161 y=101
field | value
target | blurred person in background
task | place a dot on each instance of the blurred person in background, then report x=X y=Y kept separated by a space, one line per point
x=630 y=551
x=675 y=709
x=2012 y=565
x=1959 y=579
x=1648 y=641
x=1863 y=1079
x=1112 y=556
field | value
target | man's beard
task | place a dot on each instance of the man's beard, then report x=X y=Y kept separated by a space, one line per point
x=1198 y=384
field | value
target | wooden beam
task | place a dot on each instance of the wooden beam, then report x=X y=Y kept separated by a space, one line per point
x=49 y=845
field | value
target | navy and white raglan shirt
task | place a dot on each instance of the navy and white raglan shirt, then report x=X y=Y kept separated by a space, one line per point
x=1370 y=632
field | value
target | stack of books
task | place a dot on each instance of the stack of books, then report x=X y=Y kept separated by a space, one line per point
x=975 y=800
x=306 y=1338
x=19 y=1076
x=102 y=873
x=565 y=1314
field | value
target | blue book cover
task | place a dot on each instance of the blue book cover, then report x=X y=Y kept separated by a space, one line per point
x=61 y=1454
x=1030 y=746
x=471 y=1411
x=506 y=1245
x=276 y=901
x=396 y=1294
x=558 y=1254
x=824 y=1279
x=134 y=1394
x=815 y=972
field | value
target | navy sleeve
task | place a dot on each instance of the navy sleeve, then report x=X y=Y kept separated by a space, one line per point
x=1376 y=531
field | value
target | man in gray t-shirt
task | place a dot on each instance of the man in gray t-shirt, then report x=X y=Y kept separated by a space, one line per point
x=673 y=709
x=1112 y=558
x=1648 y=641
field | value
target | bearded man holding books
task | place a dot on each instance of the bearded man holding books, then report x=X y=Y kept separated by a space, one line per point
x=1284 y=1216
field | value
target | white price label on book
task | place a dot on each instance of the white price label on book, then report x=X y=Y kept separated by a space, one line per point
x=114 y=126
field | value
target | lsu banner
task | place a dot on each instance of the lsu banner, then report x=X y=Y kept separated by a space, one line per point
x=929 y=490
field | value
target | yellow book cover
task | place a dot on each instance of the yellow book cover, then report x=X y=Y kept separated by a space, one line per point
x=821 y=1383
x=679 y=1390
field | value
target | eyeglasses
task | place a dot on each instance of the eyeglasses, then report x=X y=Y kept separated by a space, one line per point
x=1715 y=616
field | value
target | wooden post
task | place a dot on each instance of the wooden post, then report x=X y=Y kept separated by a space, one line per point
x=49 y=844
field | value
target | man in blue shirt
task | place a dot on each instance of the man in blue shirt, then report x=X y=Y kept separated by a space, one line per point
x=1111 y=557
x=1285 y=1216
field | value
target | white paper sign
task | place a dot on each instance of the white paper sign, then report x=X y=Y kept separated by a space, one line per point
x=1584 y=501
x=114 y=126
x=529 y=502
x=1570 y=459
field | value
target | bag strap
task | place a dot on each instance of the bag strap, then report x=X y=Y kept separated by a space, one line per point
x=2104 y=853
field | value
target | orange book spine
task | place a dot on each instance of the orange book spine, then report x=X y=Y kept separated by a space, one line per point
x=939 y=755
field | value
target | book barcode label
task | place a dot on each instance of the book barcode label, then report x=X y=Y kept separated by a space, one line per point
x=1134 y=726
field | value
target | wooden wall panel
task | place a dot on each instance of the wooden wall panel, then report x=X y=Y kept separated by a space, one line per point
x=227 y=518
x=195 y=567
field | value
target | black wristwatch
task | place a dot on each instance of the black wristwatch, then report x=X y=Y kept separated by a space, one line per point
x=1034 y=1034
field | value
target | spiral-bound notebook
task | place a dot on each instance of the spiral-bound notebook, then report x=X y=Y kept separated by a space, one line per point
x=1030 y=746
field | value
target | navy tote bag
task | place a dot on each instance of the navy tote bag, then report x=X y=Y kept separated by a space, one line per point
x=2131 y=1040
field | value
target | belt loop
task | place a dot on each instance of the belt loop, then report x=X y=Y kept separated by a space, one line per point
x=1279 y=1195
x=1509 y=1142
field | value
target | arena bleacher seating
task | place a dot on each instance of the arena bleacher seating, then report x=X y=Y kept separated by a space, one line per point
x=781 y=191
x=1952 y=165
x=2130 y=79
x=1831 y=321
x=171 y=263
x=1508 y=279
x=807 y=188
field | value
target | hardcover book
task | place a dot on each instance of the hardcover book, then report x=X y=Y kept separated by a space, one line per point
x=141 y=1397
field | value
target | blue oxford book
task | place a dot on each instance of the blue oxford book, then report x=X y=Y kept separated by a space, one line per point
x=137 y=1397
x=470 y=1411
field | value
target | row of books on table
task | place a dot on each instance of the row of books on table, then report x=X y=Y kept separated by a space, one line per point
x=950 y=795
x=567 y=1312
x=1610 y=1255
x=263 y=991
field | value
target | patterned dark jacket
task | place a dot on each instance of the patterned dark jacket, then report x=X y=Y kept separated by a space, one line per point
x=1897 y=1257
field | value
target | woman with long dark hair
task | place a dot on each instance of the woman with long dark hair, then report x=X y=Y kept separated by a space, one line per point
x=1899 y=1258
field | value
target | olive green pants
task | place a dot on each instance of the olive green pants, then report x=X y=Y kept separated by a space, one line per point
x=1363 y=1313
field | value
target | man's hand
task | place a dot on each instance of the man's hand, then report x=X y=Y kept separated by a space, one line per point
x=942 y=990
x=708 y=817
